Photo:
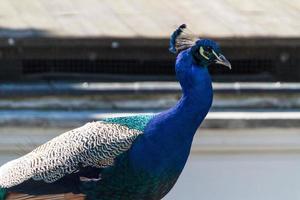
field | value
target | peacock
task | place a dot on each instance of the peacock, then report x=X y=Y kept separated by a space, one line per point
x=124 y=158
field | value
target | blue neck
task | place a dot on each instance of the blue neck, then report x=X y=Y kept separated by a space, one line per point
x=169 y=135
x=179 y=124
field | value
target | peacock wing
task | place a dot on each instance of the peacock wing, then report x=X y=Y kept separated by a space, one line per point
x=95 y=145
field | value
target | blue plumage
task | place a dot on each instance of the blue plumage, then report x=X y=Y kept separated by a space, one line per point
x=146 y=161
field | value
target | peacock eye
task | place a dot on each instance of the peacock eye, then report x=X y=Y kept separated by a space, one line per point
x=206 y=53
x=209 y=49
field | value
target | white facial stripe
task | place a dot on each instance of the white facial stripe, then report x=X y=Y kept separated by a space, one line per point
x=218 y=57
x=201 y=51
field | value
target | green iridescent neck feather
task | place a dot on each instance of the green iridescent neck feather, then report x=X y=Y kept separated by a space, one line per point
x=2 y=193
x=137 y=122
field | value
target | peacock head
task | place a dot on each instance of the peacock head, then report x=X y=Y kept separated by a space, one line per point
x=204 y=52
x=194 y=55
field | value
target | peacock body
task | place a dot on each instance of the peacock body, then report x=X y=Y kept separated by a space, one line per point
x=125 y=158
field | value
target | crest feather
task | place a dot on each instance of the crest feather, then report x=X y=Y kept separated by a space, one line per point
x=182 y=38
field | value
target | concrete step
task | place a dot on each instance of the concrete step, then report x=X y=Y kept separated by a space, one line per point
x=214 y=119
x=90 y=88
x=149 y=102
x=20 y=140
x=143 y=96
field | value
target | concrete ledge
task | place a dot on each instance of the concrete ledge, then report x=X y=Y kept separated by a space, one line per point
x=247 y=141
x=252 y=119
x=20 y=140
x=220 y=120
x=139 y=102
x=141 y=96
x=63 y=88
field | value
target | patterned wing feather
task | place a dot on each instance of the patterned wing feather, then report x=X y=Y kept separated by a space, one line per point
x=95 y=144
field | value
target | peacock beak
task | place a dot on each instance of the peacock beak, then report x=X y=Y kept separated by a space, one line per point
x=220 y=59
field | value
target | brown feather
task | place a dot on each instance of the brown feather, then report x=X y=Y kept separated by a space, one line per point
x=66 y=196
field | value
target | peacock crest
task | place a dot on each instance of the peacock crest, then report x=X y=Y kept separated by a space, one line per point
x=181 y=39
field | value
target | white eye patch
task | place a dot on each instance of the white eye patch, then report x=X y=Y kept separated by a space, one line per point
x=201 y=51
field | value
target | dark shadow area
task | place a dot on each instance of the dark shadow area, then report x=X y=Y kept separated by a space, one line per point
x=36 y=55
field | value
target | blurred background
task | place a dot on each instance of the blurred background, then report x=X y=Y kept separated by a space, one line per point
x=64 y=63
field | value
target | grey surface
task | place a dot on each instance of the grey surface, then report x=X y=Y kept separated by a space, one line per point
x=90 y=88
x=236 y=177
x=217 y=119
